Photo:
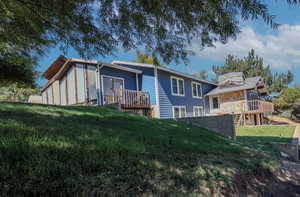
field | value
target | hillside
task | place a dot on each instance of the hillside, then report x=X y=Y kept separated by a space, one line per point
x=93 y=151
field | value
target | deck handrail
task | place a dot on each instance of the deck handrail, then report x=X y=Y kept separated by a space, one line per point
x=250 y=106
x=129 y=98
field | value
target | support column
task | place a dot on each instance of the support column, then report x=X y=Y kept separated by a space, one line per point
x=258 y=119
x=137 y=82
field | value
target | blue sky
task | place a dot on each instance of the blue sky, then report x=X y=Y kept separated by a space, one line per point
x=280 y=48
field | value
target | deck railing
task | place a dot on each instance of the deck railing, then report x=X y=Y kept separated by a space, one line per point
x=128 y=98
x=258 y=106
x=252 y=106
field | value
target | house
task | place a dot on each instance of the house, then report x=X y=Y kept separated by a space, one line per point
x=240 y=96
x=141 y=88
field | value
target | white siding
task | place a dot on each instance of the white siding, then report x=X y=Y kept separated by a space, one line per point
x=91 y=75
x=50 y=95
x=62 y=87
x=71 y=86
x=80 y=83
x=44 y=97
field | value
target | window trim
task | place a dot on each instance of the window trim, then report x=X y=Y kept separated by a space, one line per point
x=198 y=106
x=177 y=81
x=212 y=102
x=179 y=106
x=197 y=96
x=102 y=84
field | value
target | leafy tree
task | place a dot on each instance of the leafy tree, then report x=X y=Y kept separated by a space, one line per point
x=16 y=92
x=203 y=75
x=252 y=65
x=147 y=59
x=99 y=27
x=287 y=98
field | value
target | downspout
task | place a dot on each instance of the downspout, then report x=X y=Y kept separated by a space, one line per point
x=156 y=91
x=98 y=85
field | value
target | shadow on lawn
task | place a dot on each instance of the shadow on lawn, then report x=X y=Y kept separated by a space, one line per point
x=106 y=153
x=262 y=139
x=62 y=153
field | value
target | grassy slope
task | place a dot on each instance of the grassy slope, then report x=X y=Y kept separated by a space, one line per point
x=262 y=136
x=89 y=151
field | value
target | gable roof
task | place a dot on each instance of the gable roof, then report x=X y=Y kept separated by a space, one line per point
x=163 y=69
x=61 y=65
x=249 y=83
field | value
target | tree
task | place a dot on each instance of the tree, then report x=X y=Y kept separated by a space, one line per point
x=203 y=75
x=147 y=59
x=16 y=92
x=252 y=65
x=287 y=98
x=99 y=27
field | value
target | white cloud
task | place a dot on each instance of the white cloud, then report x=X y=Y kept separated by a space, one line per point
x=281 y=50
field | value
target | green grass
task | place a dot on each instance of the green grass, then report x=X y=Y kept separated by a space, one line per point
x=93 y=151
x=262 y=136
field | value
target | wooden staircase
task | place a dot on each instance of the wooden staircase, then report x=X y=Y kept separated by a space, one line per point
x=238 y=119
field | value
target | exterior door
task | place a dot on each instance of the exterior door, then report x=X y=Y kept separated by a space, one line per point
x=112 y=89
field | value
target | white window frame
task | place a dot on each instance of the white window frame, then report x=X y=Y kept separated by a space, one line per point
x=102 y=84
x=198 y=107
x=212 y=102
x=177 y=81
x=197 y=96
x=180 y=107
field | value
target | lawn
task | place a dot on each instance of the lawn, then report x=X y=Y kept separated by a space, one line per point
x=262 y=136
x=96 y=151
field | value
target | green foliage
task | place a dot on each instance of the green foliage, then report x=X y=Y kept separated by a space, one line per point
x=96 y=151
x=203 y=75
x=147 y=59
x=252 y=66
x=287 y=98
x=16 y=92
x=99 y=27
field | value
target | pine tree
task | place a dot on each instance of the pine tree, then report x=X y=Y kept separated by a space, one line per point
x=252 y=65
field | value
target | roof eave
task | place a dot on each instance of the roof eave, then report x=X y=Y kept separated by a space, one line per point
x=164 y=69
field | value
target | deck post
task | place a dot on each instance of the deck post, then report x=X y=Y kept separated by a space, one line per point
x=137 y=81
x=246 y=99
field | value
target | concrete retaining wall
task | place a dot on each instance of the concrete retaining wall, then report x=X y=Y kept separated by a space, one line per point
x=222 y=124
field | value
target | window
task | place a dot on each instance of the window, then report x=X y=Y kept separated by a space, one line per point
x=71 y=86
x=80 y=82
x=50 y=95
x=112 y=89
x=196 y=90
x=62 y=87
x=215 y=102
x=91 y=82
x=198 y=111
x=177 y=86
x=179 y=112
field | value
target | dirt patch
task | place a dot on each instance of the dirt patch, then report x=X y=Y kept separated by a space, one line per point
x=281 y=120
x=263 y=183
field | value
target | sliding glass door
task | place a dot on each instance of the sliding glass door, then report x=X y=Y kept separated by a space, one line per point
x=112 y=89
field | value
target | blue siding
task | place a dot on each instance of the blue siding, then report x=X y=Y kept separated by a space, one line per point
x=129 y=77
x=146 y=81
x=167 y=100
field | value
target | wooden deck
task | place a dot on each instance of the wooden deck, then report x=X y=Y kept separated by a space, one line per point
x=129 y=99
x=248 y=107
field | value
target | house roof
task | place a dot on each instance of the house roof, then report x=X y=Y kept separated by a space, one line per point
x=249 y=83
x=61 y=65
x=164 y=69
